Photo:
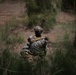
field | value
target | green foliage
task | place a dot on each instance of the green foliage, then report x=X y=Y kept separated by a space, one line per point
x=31 y=6
x=32 y=20
x=69 y=5
x=24 y=22
x=41 y=67
x=63 y=59
x=6 y=29
x=50 y=21
x=12 y=24
x=36 y=6
x=14 y=39
x=38 y=10
x=12 y=64
x=43 y=5
x=8 y=35
x=63 y=63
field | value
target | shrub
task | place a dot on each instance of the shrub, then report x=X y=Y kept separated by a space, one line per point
x=11 y=64
x=63 y=63
x=31 y=6
x=35 y=8
x=63 y=59
x=41 y=67
x=32 y=21
x=50 y=21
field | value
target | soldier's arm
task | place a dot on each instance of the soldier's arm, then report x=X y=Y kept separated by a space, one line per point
x=36 y=39
x=32 y=39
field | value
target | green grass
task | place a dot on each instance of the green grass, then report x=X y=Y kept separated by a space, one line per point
x=11 y=63
x=36 y=19
x=63 y=58
x=14 y=39
x=50 y=22
x=63 y=63
x=7 y=33
x=39 y=10
x=12 y=24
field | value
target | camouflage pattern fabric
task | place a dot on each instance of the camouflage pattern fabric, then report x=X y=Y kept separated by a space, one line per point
x=38 y=47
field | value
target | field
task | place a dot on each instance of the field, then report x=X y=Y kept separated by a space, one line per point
x=16 y=25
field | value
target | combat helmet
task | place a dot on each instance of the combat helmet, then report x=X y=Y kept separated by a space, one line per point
x=38 y=29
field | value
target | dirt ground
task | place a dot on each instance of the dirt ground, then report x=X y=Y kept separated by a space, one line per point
x=65 y=17
x=11 y=9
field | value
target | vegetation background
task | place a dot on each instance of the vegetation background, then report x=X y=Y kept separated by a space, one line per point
x=61 y=54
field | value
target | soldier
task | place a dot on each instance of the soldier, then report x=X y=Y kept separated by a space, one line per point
x=36 y=44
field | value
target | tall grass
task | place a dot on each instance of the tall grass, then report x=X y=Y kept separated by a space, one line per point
x=50 y=22
x=12 y=64
x=63 y=63
x=63 y=59
x=39 y=10
x=7 y=32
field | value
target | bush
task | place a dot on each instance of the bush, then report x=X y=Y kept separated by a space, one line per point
x=11 y=64
x=63 y=63
x=63 y=59
x=31 y=6
x=38 y=10
x=43 y=20
x=32 y=21
x=50 y=21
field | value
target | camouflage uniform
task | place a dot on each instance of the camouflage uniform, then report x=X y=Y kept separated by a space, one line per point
x=36 y=45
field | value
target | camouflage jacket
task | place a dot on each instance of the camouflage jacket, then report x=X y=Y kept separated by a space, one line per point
x=37 y=45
